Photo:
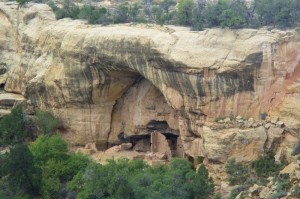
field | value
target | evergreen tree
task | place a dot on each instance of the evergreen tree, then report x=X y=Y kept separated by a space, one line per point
x=185 y=12
x=203 y=185
x=276 y=12
x=22 y=175
x=13 y=127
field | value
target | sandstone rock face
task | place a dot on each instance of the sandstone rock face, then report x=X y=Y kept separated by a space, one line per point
x=141 y=110
x=243 y=145
x=120 y=83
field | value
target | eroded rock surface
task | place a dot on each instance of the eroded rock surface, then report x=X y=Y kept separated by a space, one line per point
x=120 y=83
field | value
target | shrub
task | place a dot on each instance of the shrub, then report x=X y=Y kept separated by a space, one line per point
x=13 y=127
x=265 y=166
x=276 y=12
x=232 y=14
x=296 y=150
x=19 y=168
x=218 y=196
x=46 y=148
x=236 y=191
x=203 y=184
x=50 y=187
x=278 y=195
x=47 y=122
x=135 y=179
x=296 y=192
x=283 y=183
x=217 y=119
x=238 y=173
x=184 y=12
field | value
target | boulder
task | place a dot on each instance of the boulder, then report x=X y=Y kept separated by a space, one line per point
x=292 y=170
x=254 y=190
x=125 y=146
x=143 y=145
x=113 y=149
x=274 y=137
x=265 y=193
x=243 y=145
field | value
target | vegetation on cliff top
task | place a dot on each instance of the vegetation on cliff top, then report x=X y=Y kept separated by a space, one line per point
x=198 y=14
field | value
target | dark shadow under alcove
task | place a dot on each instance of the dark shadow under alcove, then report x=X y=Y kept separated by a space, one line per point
x=142 y=143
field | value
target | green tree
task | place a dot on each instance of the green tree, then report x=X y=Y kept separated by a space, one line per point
x=276 y=12
x=235 y=16
x=13 y=127
x=50 y=186
x=167 y=15
x=57 y=165
x=19 y=168
x=285 y=12
x=93 y=15
x=203 y=185
x=167 y=4
x=185 y=12
x=135 y=179
x=266 y=166
x=225 y=13
x=68 y=10
x=46 y=148
x=127 y=13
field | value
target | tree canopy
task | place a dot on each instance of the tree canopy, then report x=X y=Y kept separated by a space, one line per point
x=197 y=15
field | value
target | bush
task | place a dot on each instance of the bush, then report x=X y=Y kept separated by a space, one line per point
x=218 y=196
x=296 y=150
x=13 y=127
x=217 y=119
x=50 y=187
x=296 y=192
x=93 y=15
x=265 y=166
x=47 y=148
x=236 y=191
x=21 y=173
x=47 y=122
x=57 y=165
x=203 y=185
x=276 y=12
x=283 y=183
x=232 y=14
x=185 y=12
x=238 y=173
x=197 y=15
x=278 y=195
x=135 y=179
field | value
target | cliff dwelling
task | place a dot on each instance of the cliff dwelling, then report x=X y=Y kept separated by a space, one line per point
x=143 y=117
x=160 y=139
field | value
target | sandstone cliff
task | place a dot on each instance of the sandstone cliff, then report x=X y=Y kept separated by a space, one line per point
x=107 y=82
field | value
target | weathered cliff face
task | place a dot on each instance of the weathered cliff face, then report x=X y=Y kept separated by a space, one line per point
x=125 y=80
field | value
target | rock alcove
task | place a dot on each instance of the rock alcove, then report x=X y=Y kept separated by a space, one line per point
x=143 y=117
